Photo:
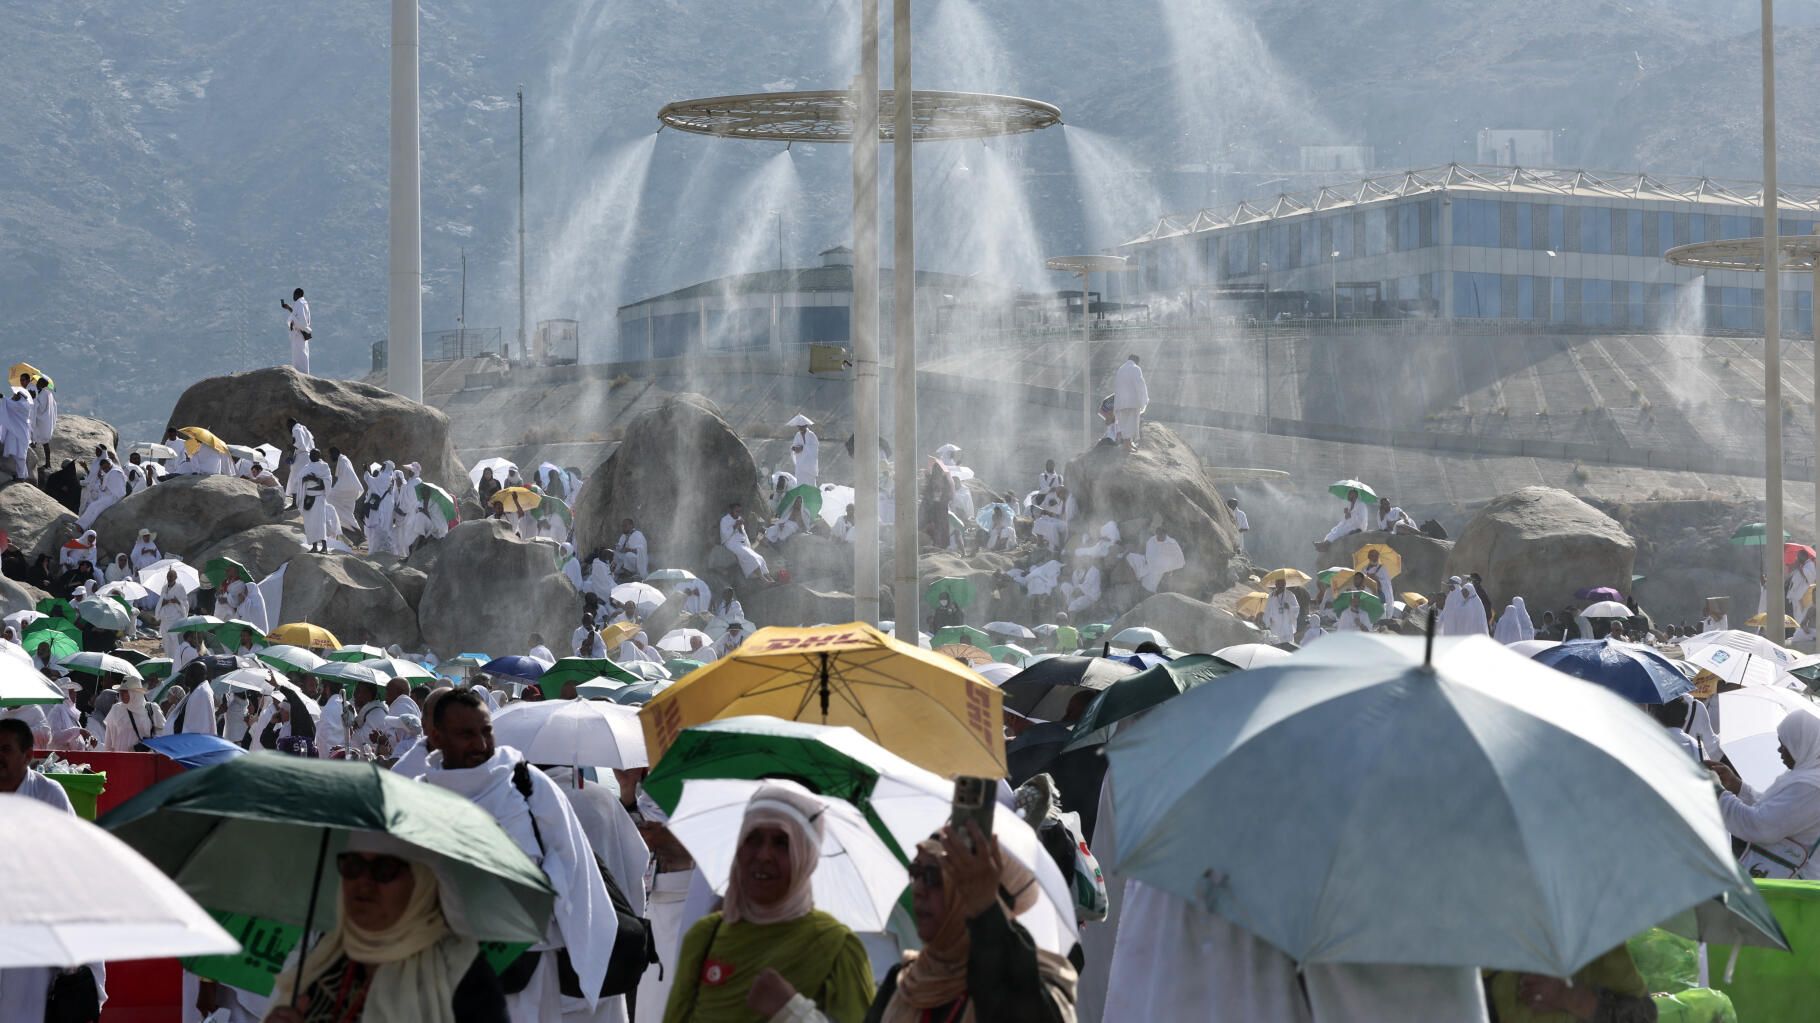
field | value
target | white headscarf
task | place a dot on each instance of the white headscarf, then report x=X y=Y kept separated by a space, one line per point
x=799 y=815
x=1514 y=625
x=1800 y=733
x=1464 y=614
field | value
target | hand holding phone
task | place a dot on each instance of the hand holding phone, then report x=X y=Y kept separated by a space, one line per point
x=972 y=802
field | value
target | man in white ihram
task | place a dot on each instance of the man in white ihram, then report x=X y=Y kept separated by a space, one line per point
x=110 y=491
x=1282 y=611
x=1162 y=555
x=302 y=441
x=805 y=448
x=19 y=415
x=44 y=417
x=297 y=322
x=733 y=537
x=1130 y=397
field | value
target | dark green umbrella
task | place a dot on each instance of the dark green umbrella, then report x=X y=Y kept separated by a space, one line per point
x=808 y=495
x=959 y=590
x=56 y=607
x=250 y=835
x=216 y=571
x=579 y=670
x=964 y=635
x=61 y=635
x=1142 y=691
x=1749 y=535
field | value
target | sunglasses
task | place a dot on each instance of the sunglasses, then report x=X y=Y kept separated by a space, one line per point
x=381 y=869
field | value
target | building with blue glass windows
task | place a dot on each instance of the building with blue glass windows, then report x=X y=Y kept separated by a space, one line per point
x=1558 y=249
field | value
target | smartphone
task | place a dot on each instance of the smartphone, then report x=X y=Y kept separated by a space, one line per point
x=973 y=801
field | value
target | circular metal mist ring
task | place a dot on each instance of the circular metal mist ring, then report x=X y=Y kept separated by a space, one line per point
x=827 y=116
x=1745 y=254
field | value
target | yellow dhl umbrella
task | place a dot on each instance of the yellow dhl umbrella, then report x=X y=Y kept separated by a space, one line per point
x=18 y=368
x=1387 y=557
x=1414 y=599
x=305 y=635
x=1290 y=577
x=519 y=499
x=617 y=633
x=1757 y=620
x=926 y=708
x=195 y=438
x=1252 y=604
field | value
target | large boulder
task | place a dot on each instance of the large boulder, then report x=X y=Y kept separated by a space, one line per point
x=350 y=597
x=34 y=521
x=17 y=596
x=1424 y=558
x=794 y=604
x=261 y=549
x=1161 y=481
x=1187 y=623
x=1543 y=545
x=995 y=597
x=675 y=472
x=189 y=513
x=369 y=424
x=76 y=439
x=1685 y=554
x=489 y=590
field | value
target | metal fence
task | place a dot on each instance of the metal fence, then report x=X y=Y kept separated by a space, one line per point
x=449 y=345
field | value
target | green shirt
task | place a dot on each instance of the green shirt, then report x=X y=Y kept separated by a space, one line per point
x=817 y=954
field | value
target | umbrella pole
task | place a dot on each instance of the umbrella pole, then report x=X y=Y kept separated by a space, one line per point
x=824 y=689
x=1428 y=645
x=309 y=917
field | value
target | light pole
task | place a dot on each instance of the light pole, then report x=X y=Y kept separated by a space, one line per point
x=865 y=319
x=906 y=590
x=524 y=352
x=1084 y=267
x=404 y=200
x=1333 y=261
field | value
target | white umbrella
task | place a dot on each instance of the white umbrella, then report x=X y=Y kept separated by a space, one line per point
x=646 y=597
x=1740 y=667
x=858 y=880
x=998 y=671
x=152 y=576
x=100 y=664
x=1138 y=635
x=20 y=619
x=397 y=667
x=1009 y=629
x=718 y=627
x=1607 y=609
x=1251 y=655
x=153 y=451
x=501 y=468
x=1747 y=642
x=574 y=733
x=677 y=641
x=268 y=456
x=670 y=575
x=1531 y=647
x=923 y=639
x=835 y=499
x=1493 y=812
x=22 y=684
x=76 y=894
x=650 y=671
x=1747 y=729
x=598 y=689
x=126 y=589
x=252 y=680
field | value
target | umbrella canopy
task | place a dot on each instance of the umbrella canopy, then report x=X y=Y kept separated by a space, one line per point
x=1137 y=636
x=126 y=589
x=518 y=499
x=1337 y=575
x=1251 y=655
x=985 y=516
x=554 y=506
x=811 y=497
x=104 y=614
x=1741 y=667
x=921 y=706
x=962 y=635
x=153 y=451
x=21 y=685
x=398 y=667
x=526 y=669
x=290 y=658
x=1607 y=609
x=228 y=633
x=90 y=663
x=354 y=674
x=1387 y=556
x=1790 y=550
x=998 y=672
x=1143 y=691
x=56 y=607
x=195 y=438
x=1414 y=599
x=19 y=369
x=501 y=469
x=216 y=569
x=966 y=653
x=670 y=575
x=1634 y=672
x=1752 y=535
x=580 y=669
x=1289 y=576
x=680 y=666
x=644 y=596
x=1252 y=604
x=1532 y=647
x=439 y=501
x=1009 y=653
x=303 y=634
x=1341 y=488
x=1744 y=642
x=835 y=499
x=858 y=880
x=575 y=733
x=197 y=623
x=1492 y=814
x=1761 y=618
x=193 y=749
x=354 y=653
x=1009 y=630
x=152 y=576
x=683 y=641
x=56 y=914
x=1747 y=720
x=1363 y=599
x=249 y=835
x=958 y=590
x=1600 y=593
x=62 y=644
x=1044 y=690
x=619 y=632
x=639 y=694
x=647 y=671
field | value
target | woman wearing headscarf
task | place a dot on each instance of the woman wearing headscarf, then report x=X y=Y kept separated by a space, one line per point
x=132 y=720
x=1464 y=614
x=173 y=697
x=1514 y=625
x=391 y=957
x=1781 y=823
x=769 y=943
x=173 y=605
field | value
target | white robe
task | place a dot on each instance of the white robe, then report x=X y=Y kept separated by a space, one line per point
x=631 y=554
x=1514 y=625
x=1128 y=388
x=344 y=494
x=44 y=416
x=733 y=538
x=125 y=727
x=1353 y=519
x=1082 y=590
x=806 y=454
x=297 y=323
x=665 y=908
x=320 y=522
x=1464 y=614
x=1160 y=557
x=1281 y=613
x=198 y=710
x=1172 y=961
x=144 y=554
x=110 y=492
x=1052 y=526
x=1380 y=574
x=173 y=606
x=1041 y=580
x=19 y=409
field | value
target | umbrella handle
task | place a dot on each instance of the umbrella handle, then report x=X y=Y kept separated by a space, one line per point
x=309 y=917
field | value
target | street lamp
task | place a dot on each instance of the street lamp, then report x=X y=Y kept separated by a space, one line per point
x=404 y=214
x=1085 y=267
x=1333 y=261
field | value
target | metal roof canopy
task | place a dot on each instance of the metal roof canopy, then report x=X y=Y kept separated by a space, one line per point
x=1093 y=264
x=827 y=116
x=1746 y=254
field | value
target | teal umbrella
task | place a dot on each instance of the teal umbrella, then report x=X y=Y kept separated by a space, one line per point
x=62 y=643
x=578 y=670
x=1142 y=691
x=1748 y=535
x=56 y=607
x=257 y=835
x=965 y=635
x=808 y=495
x=197 y=623
x=228 y=633
x=680 y=666
x=291 y=658
x=354 y=653
x=1469 y=808
x=1341 y=488
x=1009 y=653
x=959 y=590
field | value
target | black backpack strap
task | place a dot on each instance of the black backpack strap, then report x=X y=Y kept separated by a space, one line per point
x=521 y=780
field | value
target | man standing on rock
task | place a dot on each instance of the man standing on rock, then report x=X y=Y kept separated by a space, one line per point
x=19 y=414
x=297 y=323
x=302 y=443
x=805 y=449
x=319 y=519
x=44 y=417
x=1281 y=612
x=1130 y=396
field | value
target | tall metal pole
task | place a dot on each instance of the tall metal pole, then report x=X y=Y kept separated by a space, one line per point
x=907 y=589
x=404 y=297
x=779 y=214
x=523 y=331
x=1087 y=402
x=1814 y=463
x=462 y=318
x=1772 y=345
x=865 y=319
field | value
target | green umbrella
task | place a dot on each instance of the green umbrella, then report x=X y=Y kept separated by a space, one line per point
x=578 y=670
x=91 y=663
x=1369 y=601
x=290 y=658
x=680 y=666
x=557 y=507
x=240 y=836
x=1749 y=535
x=57 y=608
x=810 y=496
x=1009 y=653
x=197 y=623
x=63 y=644
x=438 y=499
x=228 y=633
x=216 y=571
x=354 y=653
x=958 y=590
x=1091 y=633
x=156 y=667
x=1343 y=487
x=1142 y=691
x=959 y=634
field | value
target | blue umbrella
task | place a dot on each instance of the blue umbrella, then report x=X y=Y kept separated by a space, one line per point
x=530 y=669
x=193 y=749
x=1634 y=672
x=984 y=518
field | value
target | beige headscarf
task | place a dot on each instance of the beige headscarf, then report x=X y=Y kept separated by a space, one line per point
x=799 y=815
x=418 y=960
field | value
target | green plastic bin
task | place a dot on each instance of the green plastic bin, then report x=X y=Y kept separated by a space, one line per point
x=84 y=791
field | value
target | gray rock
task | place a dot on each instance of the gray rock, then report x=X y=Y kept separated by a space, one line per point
x=189 y=513
x=1685 y=554
x=1424 y=559
x=17 y=596
x=350 y=597
x=1543 y=545
x=261 y=549
x=369 y=424
x=76 y=439
x=995 y=598
x=409 y=581
x=34 y=521
x=793 y=604
x=1187 y=623
x=490 y=590
x=674 y=474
